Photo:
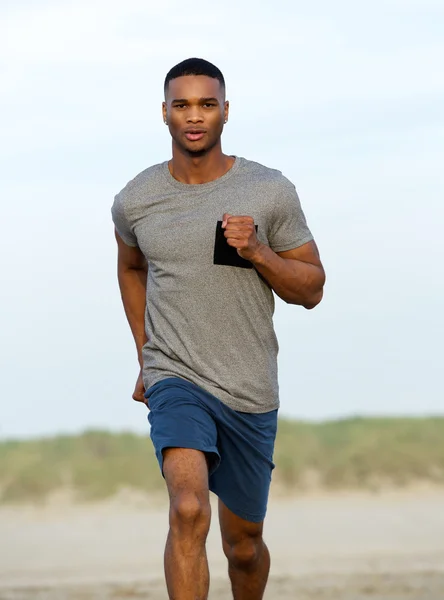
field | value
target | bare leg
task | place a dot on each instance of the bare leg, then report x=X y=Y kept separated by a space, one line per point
x=247 y=554
x=186 y=566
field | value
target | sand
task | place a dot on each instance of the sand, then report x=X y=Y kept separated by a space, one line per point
x=348 y=546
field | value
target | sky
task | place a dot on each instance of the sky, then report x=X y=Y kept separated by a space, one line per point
x=345 y=98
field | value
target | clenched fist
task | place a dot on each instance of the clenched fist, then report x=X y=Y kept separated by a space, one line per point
x=240 y=233
x=139 y=390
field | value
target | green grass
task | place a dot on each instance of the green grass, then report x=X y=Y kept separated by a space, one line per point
x=352 y=453
x=356 y=453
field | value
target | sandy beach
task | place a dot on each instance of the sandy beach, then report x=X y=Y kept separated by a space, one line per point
x=344 y=546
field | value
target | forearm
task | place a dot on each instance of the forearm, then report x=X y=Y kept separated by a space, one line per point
x=132 y=283
x=294 y=281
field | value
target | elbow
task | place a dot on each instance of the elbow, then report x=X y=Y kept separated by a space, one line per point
x=314 y=300
x=308 y=302
x=309 y=296
x=316 y=296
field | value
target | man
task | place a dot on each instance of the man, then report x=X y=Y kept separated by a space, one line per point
x=203 y=240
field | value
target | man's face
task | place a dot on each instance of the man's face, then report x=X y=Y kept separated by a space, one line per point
x=195 y=110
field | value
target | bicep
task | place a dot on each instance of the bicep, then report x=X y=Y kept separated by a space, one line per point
x=307 y=253
x=129 y=257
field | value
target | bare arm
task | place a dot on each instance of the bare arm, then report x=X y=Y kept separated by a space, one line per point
x=297 y=276
x=132 y=271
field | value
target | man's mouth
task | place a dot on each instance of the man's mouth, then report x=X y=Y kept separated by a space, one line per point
x=194 y=135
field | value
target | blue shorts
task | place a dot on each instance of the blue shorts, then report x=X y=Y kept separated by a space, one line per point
x=239 y=445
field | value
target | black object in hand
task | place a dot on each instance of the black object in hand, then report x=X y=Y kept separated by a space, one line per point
x=224 y=254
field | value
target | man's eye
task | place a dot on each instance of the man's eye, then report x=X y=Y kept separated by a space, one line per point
x=209 y=104
x=179 y=106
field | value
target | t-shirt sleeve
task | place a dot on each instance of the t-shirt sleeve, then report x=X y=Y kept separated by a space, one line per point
x=121 y=223
x=288 y=228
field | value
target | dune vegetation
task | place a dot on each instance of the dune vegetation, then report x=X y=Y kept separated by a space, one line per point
x=358 y=453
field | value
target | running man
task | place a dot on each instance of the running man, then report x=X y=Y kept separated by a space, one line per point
x=203 y=241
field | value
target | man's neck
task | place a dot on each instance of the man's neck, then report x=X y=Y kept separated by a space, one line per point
x=193 y=170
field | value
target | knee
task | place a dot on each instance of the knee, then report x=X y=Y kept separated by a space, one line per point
x=189 y=511
x=245 y=553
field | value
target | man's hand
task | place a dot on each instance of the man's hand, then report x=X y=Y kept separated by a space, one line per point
x=240 y=233
x=139 y=390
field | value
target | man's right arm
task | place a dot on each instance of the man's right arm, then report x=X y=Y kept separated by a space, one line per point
x=132 y=270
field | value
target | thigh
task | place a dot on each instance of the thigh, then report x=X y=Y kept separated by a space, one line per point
x=246 y=445
x=234 y=529
x=185 y=471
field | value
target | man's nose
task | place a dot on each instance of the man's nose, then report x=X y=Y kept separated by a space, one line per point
x=195 y=116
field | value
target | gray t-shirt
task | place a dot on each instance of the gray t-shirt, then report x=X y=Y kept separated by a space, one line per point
x=211 y=324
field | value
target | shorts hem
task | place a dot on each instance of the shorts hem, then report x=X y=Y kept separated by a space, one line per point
x=190 y=446
x=251 y=517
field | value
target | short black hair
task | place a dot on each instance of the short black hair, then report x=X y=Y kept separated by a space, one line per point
x=194 y=66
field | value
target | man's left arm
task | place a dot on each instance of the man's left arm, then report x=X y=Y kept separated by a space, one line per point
x=297 y=276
